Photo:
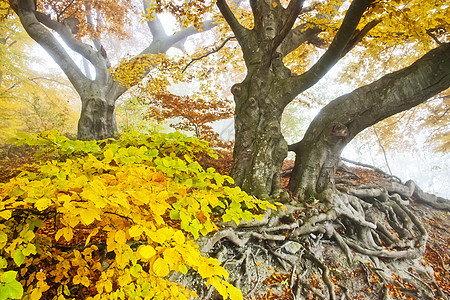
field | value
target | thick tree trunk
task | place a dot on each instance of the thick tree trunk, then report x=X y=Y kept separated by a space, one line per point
x=260 y=147
x=317 y=155
x=269 y=86
x=97 y=120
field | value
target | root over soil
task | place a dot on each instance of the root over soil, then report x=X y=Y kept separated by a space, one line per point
x=365 y=241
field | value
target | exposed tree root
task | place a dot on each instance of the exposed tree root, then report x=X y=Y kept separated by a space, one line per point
x=316 y=244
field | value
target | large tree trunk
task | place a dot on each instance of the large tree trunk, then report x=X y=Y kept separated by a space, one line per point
x=317 y=155
x=97 y=120
x=260 y=148
x=269 y=86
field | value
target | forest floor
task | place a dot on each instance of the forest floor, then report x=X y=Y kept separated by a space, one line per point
x=14 y=159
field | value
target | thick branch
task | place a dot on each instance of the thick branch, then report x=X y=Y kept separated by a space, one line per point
x=239 y=30
x=155 y=26
x=85 y=50
x=294 y=8
x=28 y=18
x=335 y=51
x=298 y=36
x=363 y=108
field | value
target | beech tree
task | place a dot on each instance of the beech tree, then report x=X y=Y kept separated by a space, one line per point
x=81 y=24
x=270 y=85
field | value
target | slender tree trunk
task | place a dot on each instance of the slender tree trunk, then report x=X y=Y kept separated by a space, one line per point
x=317 y=155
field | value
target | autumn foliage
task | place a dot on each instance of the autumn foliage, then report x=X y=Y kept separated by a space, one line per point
x=114 y=218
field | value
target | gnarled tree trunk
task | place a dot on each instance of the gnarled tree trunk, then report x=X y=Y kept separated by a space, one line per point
x=317 y=155
x=269 y=85
x=260 y=148
x=97 y=120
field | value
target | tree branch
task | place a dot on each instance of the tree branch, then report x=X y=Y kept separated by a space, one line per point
x=361 y=109
x=28 y=17
x=298 y=36
x=239 y=30
x=359 y=35
x=98 y=61
x=155 y=26
x=335 y=51
x=208 y=53
x=294 y=7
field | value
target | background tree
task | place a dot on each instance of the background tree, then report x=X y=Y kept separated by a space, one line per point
x=30 y=101
x=83 y=25
x=197 y=115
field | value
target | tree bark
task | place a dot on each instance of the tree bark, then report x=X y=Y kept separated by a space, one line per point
x=260 y=148
x=317 y=154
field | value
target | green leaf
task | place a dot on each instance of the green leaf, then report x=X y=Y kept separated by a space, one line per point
x=9 y=276
x=12 y=290
x=18 y=257
x=136 y=270
x=29 y=249
x=28 y=236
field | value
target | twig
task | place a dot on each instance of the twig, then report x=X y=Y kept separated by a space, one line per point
x=382 y=149
x=209 y=53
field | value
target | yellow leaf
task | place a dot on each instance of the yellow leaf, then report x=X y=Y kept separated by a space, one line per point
x=89 y=215
x=122 y=260
x=159 y=208
x=178 y=237
x=85 y=281
x=6 y=214
x=64 y=198
x=43 y=203
x=67 y=232
x=161 y=268
x=93 y=233
x=108 y=286
x=146 y=251
x=220 y=287
x=35 y=295
x=135 y=231
x=125 y=279
x=206 y=271
x=274 y=4
x=162 y=235
x=109 y=155
x=183 y=269
x=41 y=276
x=120 y=237
x=234 y=292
